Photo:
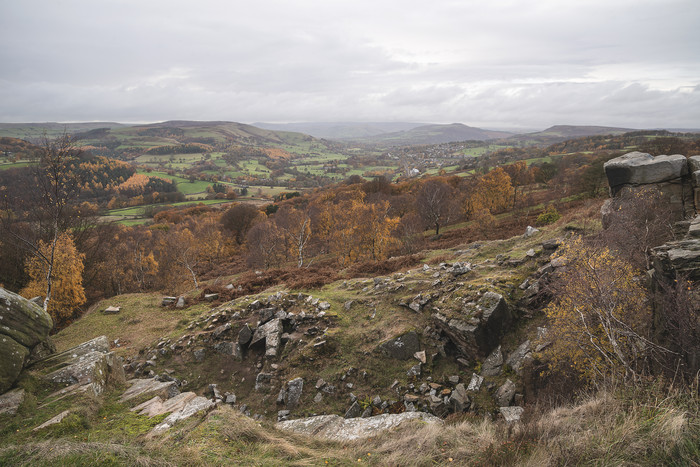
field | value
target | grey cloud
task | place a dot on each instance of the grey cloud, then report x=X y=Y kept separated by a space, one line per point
x=530 y=63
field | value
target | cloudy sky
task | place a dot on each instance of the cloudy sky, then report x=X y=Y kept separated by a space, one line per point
x=488 y=63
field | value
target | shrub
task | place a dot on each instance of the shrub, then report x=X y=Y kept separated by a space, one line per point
x=549 y=216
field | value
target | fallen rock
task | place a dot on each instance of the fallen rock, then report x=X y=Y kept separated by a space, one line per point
x=459 y=401
x=354 y=411
x=271 y=333
x=518 y=357
x=493 y=363
x=511 y=414
x=475 y=383
x=402 y=347
x=112 y=310
x=294 y=390
x=336 y=428
x=530 y=231
x=476 y=330
x=504 y=395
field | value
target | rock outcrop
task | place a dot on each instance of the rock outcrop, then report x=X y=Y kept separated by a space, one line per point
x=676 y=177
x=338 y=428
x=476 y=330
x=88 y=366
x=24 y=326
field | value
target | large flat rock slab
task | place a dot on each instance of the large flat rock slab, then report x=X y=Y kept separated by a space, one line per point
x=337 y=428
x=639 y=168
x=10 y=401
x=149 y=387
x=194 y=406
x=158 y=406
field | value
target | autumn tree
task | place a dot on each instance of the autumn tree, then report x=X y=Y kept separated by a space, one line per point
x=38 y=224
x=436 y=203
x=494 y=191
x=599 y=319
x=239 y=218
x=265 y=243
x=64 y=274
x=295 y=225
x=520 y=176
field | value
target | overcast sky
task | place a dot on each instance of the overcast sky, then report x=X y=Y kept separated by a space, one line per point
x=487 y=63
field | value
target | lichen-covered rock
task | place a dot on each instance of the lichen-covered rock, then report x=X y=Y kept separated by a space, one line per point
x=337 y=428
x=504 y=395
x=271 y=333
x=12 y=358
x=294 y=390
x=22 y=320
x=90 y=363
x=24 y=326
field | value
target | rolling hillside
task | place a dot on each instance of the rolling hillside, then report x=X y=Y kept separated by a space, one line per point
x=436 y=134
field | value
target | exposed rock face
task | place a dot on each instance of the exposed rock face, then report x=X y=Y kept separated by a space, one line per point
x=476 y=331
x=271 y=333
x=151 y=387
x=337 y=428
x=402 y=347
x=90 y=365
x=638 y=168
x=673 y=175
x=190 y=408
x=678 y=259
x=24 y=325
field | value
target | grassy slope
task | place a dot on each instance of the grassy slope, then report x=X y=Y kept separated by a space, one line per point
x=644 y=427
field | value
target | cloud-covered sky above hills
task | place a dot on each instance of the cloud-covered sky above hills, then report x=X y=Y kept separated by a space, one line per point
x=497 y=63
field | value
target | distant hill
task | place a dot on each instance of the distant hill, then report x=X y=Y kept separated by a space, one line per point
x=30 y=131
x=437 y=134
x=558 y=133
x=341 y=130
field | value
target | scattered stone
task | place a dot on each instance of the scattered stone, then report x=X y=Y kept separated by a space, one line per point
x=459 y=401
x=283 y=415
x=336 y=428
x=266 y=314
x=320 y=383
x=318 y=398
x=180 y=302
x=10 y=401
x=518 y=357
x=294 y=390
x=324 y=306
x=415 y=371
x=461 y=268
x=221 y=330
x=354 y=411
x=511 y=414
x=453 y=379
x=530 y=231
x=402 y=347
x=504 y=394
x=112 y=310
x=348 y=305
x=244 y=335
x=475 y=383
x=530 y=253
x=229 y=398
x=210 y=297
x=262 y=381
x=493 y=363
x=167 y=301
x=420 y=356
